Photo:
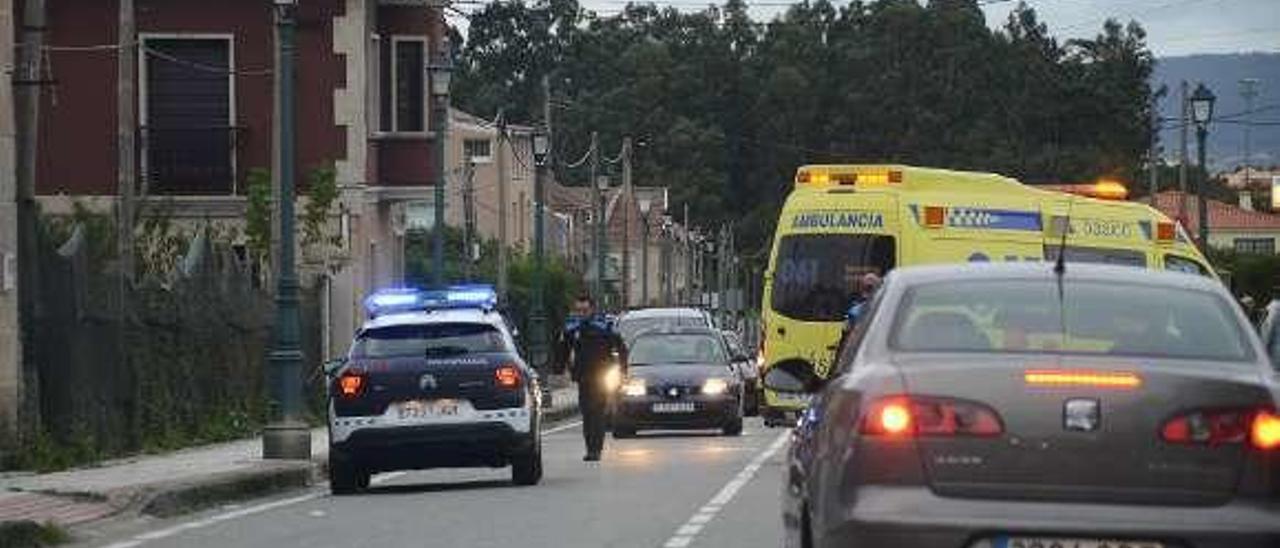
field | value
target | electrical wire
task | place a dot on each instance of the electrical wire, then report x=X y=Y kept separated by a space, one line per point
x=204 y=67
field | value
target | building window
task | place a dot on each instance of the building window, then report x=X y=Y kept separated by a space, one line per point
x=478 y=150
x=1259 y=246
x=403 y=82
x=188 y=133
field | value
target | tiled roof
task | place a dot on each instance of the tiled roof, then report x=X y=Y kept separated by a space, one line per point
x=1221 y=214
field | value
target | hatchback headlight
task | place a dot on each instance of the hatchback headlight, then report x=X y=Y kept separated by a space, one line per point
x=715 y=387
x=634 y=388
x=612 y=378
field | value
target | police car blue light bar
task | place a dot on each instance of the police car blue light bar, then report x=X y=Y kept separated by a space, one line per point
x=388 y=301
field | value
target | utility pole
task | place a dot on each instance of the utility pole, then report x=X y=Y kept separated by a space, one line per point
x=1249 y=91
x=287 y=435
x=469 y=216
x=11 y=391
x=1183 y=122
x=29 y=82
x=501 y=164
x=126 y=133
x=626 y=221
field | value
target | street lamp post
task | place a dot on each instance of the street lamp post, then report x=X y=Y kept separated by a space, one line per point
x=287 y=435
x=541 y=152
x=645 y=203
x=440 y=71
x=602 y=234
x=1202 y=112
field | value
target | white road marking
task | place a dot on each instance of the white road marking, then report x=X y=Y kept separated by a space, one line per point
x=685 y=535
x=167 y=532
x=219 y=518
x=562 y=427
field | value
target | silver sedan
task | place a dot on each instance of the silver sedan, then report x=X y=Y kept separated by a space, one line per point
x=1011 y=406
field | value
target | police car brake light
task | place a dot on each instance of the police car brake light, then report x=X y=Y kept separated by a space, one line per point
x=507 y=376
x=351 y=385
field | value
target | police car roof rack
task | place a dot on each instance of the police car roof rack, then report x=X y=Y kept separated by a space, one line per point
x=408 y=299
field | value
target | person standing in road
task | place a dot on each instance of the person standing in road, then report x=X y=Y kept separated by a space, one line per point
x=591 y=347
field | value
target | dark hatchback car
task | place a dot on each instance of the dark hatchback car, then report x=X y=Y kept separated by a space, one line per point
x=680 y=380
x=1005 y=406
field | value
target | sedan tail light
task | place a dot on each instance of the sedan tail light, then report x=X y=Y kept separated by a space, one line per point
x=351 y=385
x=927 y=416
x=1212 y=427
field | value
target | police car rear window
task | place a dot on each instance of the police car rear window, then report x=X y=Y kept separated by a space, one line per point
x=443 y=339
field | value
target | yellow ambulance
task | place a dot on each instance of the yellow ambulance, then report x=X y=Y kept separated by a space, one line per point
x=843 y=221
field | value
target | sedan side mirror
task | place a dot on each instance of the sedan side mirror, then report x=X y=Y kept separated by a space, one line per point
x=792 y=378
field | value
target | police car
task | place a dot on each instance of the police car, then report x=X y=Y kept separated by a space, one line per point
x=433 y=380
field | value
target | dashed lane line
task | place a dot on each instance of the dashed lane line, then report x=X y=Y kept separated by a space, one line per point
x=686 y=533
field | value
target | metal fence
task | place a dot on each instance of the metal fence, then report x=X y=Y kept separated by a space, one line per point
x=165 y=362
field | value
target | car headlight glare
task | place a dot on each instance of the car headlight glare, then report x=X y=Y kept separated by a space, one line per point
x=715 y=387
x=634 y=388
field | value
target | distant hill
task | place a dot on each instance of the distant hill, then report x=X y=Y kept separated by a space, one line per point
x=1222 y=74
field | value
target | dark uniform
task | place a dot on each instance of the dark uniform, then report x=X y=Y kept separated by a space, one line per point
x=592 y=347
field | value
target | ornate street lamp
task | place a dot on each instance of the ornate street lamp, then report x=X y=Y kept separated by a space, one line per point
x=1202 y=113
x=286 y=435
x=440 y=75
x=645 y=202
x=541 y=154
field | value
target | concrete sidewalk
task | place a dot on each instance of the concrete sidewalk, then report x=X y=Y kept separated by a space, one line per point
x=177 y=482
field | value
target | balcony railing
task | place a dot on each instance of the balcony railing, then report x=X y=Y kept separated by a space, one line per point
x=199 y=161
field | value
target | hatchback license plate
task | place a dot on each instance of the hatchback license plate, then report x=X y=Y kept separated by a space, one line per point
x=1052 y=542
x=673 y=407
x=427 y=409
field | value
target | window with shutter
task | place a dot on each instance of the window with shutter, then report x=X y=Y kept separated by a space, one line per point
x=189 y=139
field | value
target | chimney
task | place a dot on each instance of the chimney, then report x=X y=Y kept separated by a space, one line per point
x=1246 y=200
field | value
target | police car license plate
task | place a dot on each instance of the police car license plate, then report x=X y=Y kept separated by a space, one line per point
x=427 y=409
x=1052 y=542
x=673 y=407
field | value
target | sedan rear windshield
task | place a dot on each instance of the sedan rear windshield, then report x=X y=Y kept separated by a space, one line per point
x=1005 y=316
x=677 y=349
x=446 y=339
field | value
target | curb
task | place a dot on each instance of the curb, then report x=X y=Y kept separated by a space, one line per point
x=194 y=495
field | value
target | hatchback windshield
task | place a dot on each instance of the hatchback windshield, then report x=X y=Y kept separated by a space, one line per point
x=631 y=327
x=429 y=340
x=677 y=349
x=1099 y=318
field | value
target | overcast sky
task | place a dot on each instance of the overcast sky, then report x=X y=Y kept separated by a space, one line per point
x=1174 y=27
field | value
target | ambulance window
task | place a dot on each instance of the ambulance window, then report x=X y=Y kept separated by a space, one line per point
x=816 y=275
x=1183 y=264
x=1098 y=255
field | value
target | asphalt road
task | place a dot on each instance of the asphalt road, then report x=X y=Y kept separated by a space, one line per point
x=658 y=490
